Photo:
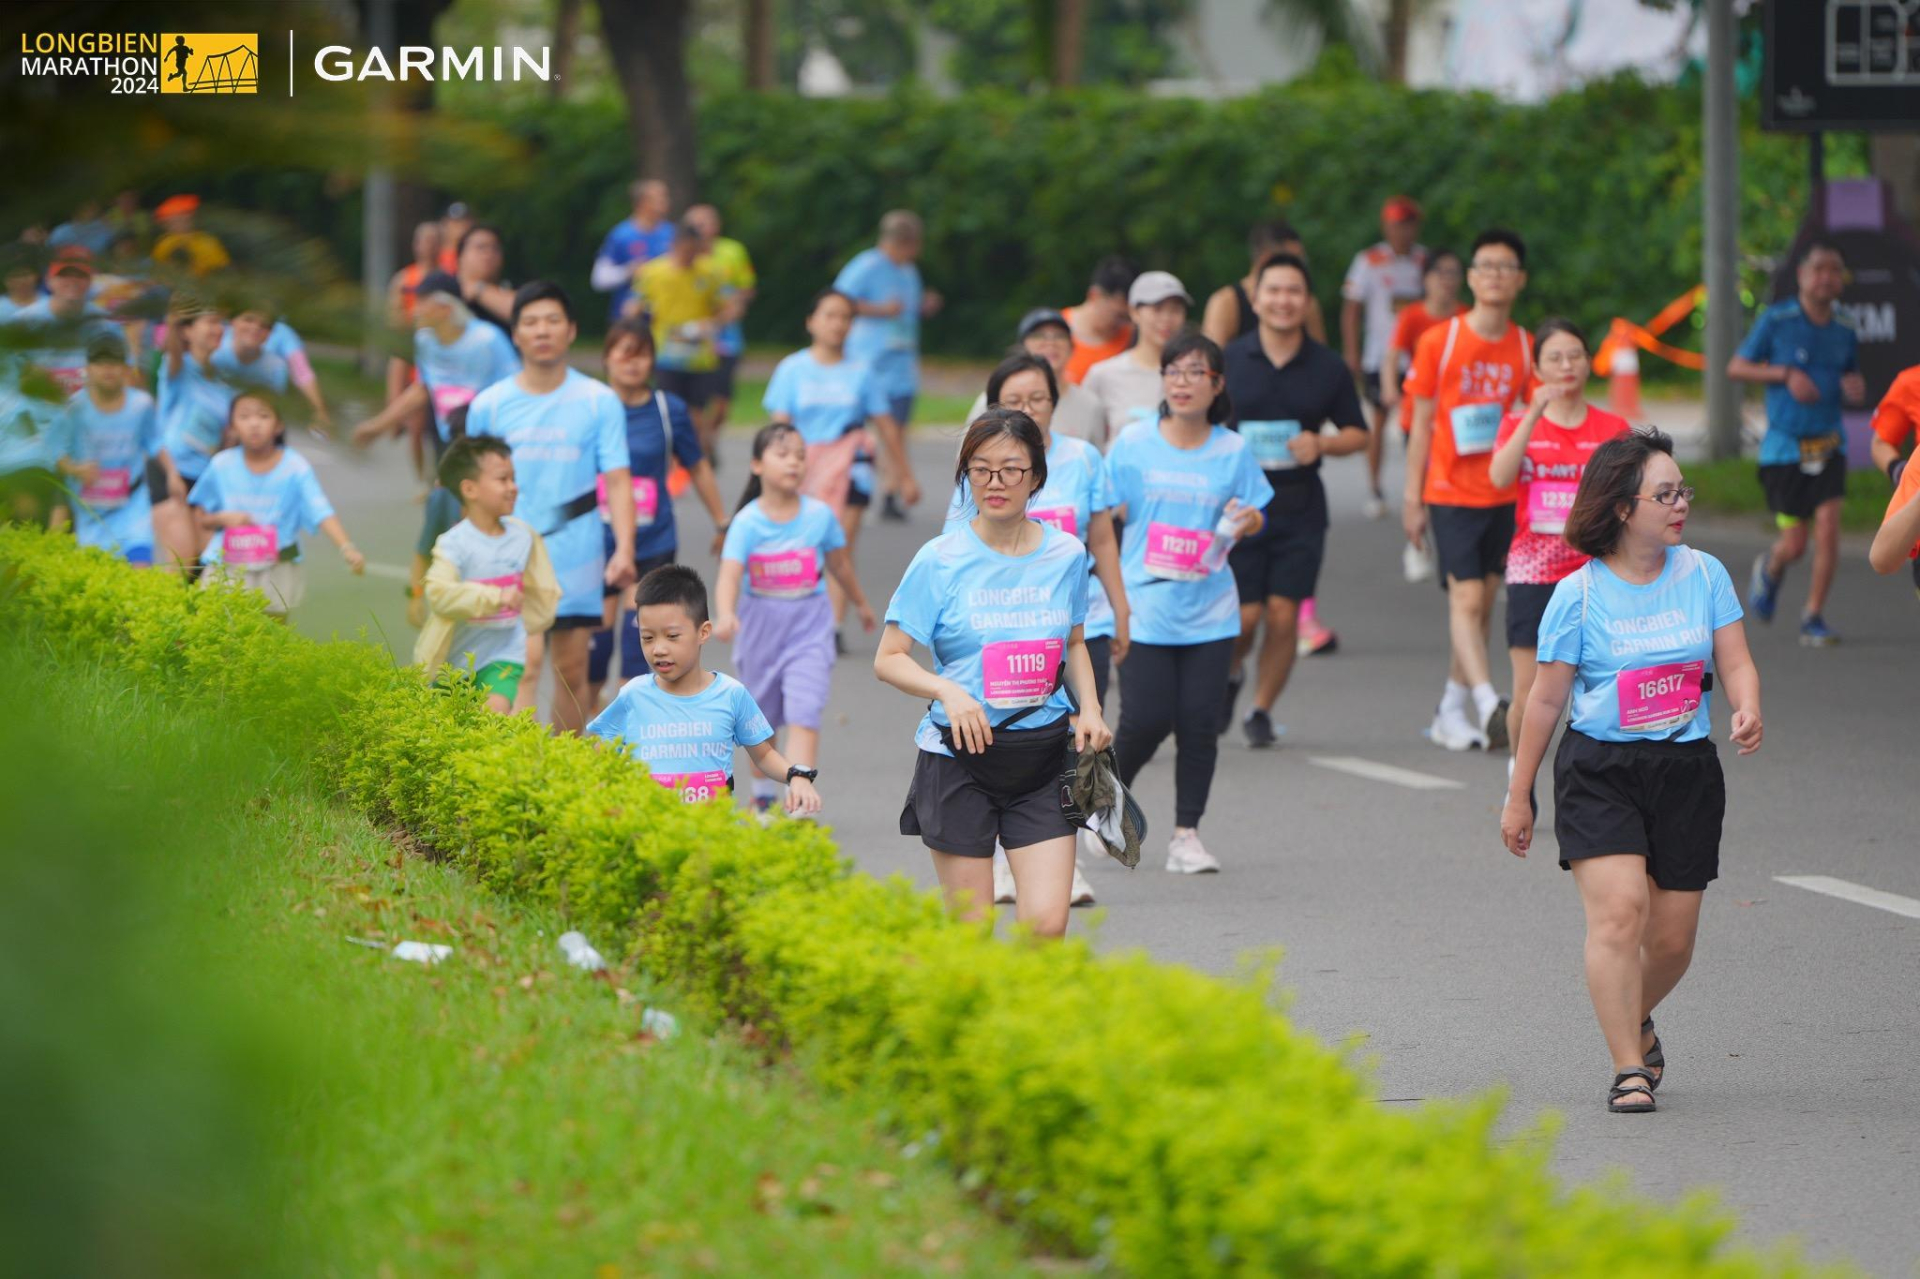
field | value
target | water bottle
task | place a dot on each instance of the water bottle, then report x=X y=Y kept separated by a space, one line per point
x=579 y=953
x=1214 y=558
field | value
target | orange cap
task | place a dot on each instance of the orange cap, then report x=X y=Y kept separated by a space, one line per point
x=176 y=205
x=1400 y=208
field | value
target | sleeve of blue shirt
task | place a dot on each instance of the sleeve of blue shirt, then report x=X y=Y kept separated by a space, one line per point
x=149 y=431
x=610 y=434
x=856 y=278
x=1117 y=477
x=915 y=606
x=205 y=492
x=832 y=536
x=1077 y=601
x=686 y=440
x=780 y=396
x=1560 y=624
x=611 y=723
x=1726 y=602
x=1099 y=486
x=480 y=412
x=1759 y=344
x=739 y=543
x=314 y=506
x=750 y=727
x=873 y=395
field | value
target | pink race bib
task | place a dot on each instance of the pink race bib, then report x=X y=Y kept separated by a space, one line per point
x=1064 y=518
x=1174 y=552
x=784 y=574
x=448 y=398
x=646 y=499
x=1020 y=672
x=251 y=545
x=1548 y=502
x=1657 y=698
x=109 y=488
x=695 y=788
x=505 y=613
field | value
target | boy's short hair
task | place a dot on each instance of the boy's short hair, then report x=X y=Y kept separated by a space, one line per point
x=540 y=291
x=673 y=584
x=462 y=460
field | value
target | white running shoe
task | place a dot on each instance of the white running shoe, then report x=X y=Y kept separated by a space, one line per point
x=1452 y=731
x=1376 y=508
x=1002 y=880
x=1415 y=564
x=1186 y=856
x=1082 y=890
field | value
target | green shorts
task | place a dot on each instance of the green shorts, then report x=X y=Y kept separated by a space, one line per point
x=501 y=677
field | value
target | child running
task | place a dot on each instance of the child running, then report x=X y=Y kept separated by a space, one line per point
x=683 y=720
x=259 y=498
x=778 y=542
x=491 y=583
x=103 y=440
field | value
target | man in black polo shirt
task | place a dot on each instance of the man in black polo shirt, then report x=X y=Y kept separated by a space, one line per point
x=1286 y=389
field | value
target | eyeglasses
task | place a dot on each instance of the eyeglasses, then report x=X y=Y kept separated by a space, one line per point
x=1558 y=361
x=1011 y=476
x=1027 y=406
x=1187 y=373
x=1668 y=497
x=1498 y=268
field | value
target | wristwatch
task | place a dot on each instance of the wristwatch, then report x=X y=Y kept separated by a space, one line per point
x=795 y=770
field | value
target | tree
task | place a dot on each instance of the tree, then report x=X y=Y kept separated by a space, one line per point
x=647 y=41
x=759 y=45
x=566 y=39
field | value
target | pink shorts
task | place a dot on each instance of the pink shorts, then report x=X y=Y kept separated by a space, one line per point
x=830 y=469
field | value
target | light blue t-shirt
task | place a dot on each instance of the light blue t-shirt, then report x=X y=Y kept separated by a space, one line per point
x=891 y=344
x=267 y=369
x=1824 y=352
x=61 y=346
x=480 y=641
x=684 y=742
x=997 y=625
x=825 y=401
x=26 y=425
x=456 y=371
x=281 y=341
x=562 y=442
x=784 y=561
x=193 y=414
x=1641 y=651
x=1076 y=489
x=115 y=513
x=1173 y=498
x=286 y=498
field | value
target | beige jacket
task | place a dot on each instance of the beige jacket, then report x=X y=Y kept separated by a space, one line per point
x=451 y=601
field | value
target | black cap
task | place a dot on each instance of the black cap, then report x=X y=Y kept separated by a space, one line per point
x=107 y=345
x=437 y=282
x=1038 y=317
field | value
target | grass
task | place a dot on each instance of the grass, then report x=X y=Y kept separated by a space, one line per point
x=205 y=1077
x=1732 y=487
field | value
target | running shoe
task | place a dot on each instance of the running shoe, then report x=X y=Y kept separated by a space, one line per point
x=1185 y=856
x=1258 y=726
x=1414 y=564
x=892 y=512
x=1082 y=890
x=1815 y=633
x=1763 y=589
x=1002 y=881
x=1316 y=642
x=1493 y=727
x=839 y=644
x=1235 y=679
x=1452 y=731
x=1376 y=507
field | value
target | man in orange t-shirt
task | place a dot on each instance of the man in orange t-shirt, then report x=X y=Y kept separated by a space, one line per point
x=1468 y=374
x=1100 y=325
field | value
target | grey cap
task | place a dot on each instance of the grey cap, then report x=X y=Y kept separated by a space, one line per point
x=1038 y=317
x=1150 y=287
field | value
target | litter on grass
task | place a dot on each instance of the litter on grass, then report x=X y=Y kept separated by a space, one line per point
x=580 y=954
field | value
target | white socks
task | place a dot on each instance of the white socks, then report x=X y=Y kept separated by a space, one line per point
x=1485 y=700
x=1454 y=699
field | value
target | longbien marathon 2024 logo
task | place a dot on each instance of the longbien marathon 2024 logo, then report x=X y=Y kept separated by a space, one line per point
x=141 y=62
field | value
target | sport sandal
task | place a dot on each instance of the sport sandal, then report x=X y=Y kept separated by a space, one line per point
x=1656 y=1057
x=1616 y=1093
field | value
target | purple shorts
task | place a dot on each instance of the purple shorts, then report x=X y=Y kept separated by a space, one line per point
x=784 y=655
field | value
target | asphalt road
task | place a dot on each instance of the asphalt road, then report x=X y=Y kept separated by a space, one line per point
x=1793 y=1086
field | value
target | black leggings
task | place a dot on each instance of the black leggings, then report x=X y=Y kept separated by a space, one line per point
x=1174 y=688
x=1100 y=652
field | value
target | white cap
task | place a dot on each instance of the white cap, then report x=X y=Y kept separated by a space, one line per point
x=1150 y=287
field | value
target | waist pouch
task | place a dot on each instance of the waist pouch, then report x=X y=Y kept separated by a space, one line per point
x=1019 y=760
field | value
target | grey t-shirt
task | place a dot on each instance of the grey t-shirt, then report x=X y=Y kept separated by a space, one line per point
x=1126 y=390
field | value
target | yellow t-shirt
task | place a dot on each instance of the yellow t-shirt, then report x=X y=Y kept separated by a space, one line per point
x=678 y=296
x=202 y=252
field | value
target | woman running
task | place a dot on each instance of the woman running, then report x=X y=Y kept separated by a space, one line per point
x=194 y=405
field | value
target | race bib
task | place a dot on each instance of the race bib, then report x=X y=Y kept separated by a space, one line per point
x=695 y=788
x=1548 y=502
x=251 y=545
x=1019 y=673
x=1267 y=441
x=784 y=574
x=1475 y=427
x=646 y=500
x=69 y=380
x=1064 y=518
x=506 y=613
x=448 y=398
x=1656 y=699
x=1817 y=452
x=109 y=489
x=1174 y=553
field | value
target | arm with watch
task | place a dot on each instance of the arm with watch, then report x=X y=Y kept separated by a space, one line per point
x=802 y=798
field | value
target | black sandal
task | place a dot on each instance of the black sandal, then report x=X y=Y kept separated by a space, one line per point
x=1656 y=1057
x=1615 y=1093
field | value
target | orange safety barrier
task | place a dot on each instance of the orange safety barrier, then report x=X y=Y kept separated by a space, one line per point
x=1619 y=358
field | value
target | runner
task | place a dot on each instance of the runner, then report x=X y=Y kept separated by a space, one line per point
x=660 y=435
x=736 y=271
x=783 y=545
x=1185 y=487
x=259 y=497
x=641 y=236
x=889 y=301
x=1467 y=374
x=1043 y=332
x=682 y=720
x=1441 y=280
x=280 y=340
x=1638 y=791
x=1382 y=280
x=183 y=247
x=242 y=357
x=491 y=584
x=455 y=357
x=1808 y=357
x=62 y=325
x=403 y=294
x=1896 y=424
x=103 y=441
x=194 y=402
x=829 y=397
x=999 y=602
x=1099 y=325
x=568 y=434
x=1545 y=450
x=690 y=302
x=1127 y=387
x=480 y=260
x=1286 y=389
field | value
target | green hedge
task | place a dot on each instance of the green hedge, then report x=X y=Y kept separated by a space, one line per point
x=1165 y=1121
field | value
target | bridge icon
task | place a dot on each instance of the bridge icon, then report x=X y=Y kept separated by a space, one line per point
x=196 y=67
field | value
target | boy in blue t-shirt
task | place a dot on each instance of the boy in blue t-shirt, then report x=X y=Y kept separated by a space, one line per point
x=683 y=720
x=1808 y=358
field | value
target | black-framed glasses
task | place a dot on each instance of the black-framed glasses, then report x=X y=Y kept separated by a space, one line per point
x=1011 y=476
x=1667 y=497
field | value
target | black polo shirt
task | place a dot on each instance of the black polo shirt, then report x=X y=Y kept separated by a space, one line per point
x=1311 y=392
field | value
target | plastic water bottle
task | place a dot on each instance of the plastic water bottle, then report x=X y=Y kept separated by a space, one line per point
x=579 y=953
x=1214 y=558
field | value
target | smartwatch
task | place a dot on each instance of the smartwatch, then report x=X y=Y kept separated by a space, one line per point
x=795 y=770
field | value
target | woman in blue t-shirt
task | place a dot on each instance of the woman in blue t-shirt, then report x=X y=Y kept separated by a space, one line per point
x=1636 y=638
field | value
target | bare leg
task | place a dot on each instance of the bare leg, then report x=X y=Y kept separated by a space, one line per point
x=1467 y=621
x=1614 y=891
x=173 y=530
x=1524 y=668
x=1043 y=877
x=1666 y=947
x=850 y=525
x=967 y=883
x=1826 y=553
x=568 y=650
x=1787 y=548
x=1278 y=652
x=1249 y=631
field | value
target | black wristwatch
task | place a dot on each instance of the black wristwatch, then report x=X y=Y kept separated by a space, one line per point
x=795 y=770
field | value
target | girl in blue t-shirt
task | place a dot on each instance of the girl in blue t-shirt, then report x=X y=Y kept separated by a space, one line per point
x=1000 y=602
x=194 y=404
x=1636 y=639
x=782 y=545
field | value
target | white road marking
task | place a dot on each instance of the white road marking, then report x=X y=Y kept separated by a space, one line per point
x=1385 y=772
x=1859 y=894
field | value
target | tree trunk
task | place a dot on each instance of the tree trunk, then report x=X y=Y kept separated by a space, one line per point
x=1069 y=38
x=759 y=43
x=1394 y=37
x=566 y=37
x=647 y=40
x=1895 y=158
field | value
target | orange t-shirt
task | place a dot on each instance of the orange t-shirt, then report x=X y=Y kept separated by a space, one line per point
x=1413 y=321
x=1474 y=384
x=1908 y=491
x=1086 y=356
x=1898 y=417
